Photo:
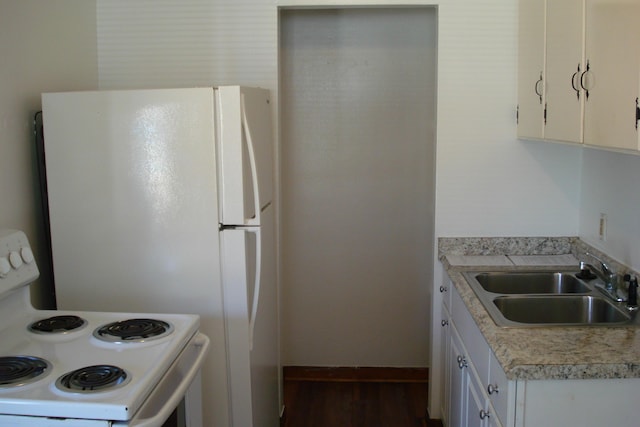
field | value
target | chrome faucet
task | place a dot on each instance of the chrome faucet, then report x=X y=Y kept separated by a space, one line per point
x=606 y=275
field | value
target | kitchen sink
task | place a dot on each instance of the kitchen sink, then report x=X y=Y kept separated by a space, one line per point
x=567 y=310
x=546 y=299
x=531 y=283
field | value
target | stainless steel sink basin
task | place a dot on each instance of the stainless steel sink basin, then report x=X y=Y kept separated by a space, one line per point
x=531 y=283
x=560 y=310
x=546 y=299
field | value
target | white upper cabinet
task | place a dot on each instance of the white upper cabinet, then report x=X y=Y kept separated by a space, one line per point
x=613 y=79
x=564 y=67
x=579 y=72
x=531 y=69
x=551 y=56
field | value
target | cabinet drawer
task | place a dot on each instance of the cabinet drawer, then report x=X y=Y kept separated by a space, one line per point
x=497 y=388
x=471 y=336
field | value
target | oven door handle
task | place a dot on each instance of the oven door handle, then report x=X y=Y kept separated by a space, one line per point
x=186 y=367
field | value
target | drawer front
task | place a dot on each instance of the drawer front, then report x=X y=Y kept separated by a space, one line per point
x=497 y=388
x=471 y=336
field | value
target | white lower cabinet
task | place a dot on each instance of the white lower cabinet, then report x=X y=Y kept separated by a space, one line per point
x=478 y=393
x=471 y=388
x=445 y=347
x=457 y=395
x=479 y=413
x=470 y=404
x=581 y=402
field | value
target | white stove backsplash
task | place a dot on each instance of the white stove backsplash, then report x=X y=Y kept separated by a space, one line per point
x=17 y=264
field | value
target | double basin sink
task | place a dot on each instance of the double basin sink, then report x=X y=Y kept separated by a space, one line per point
x=549 y=298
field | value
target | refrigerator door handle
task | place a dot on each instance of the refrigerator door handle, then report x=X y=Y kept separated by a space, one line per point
x=255 y=220
x=256 y=286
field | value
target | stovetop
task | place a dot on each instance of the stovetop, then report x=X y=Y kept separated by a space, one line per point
x=77 y=356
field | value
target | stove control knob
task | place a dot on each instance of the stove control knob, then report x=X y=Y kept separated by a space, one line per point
x=5 y=267
x=27 y=255
x=15 y=259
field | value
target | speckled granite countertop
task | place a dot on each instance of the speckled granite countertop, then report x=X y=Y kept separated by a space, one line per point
x=545 y=353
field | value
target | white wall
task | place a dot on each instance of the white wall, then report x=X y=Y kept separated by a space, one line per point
x=178 y=43
x=611 y=185
x=45 y=46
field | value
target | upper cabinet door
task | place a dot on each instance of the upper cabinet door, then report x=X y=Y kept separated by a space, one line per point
x=564 y=67
x=613 y=79
x=531 y=69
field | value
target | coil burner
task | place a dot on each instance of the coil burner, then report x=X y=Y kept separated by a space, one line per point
x=57 y=325
x=93 y=379
x=20 y=370
x=133 y=330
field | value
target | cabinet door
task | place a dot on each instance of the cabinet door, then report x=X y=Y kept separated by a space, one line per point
x=613 y=79
x=564 y=66
x=499 y=391
x=531 y=69
x=445 y=383
x=477 y=413
x=457 y=394
x=493 y=422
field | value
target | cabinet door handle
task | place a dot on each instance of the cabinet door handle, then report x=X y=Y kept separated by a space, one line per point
x=582 y=76
x=443 y=289
x=491 y=389
x=537 y=89
x=574 y=84
x=444 y=322
x=484 y=414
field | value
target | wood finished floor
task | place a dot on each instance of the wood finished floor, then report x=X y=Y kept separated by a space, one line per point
x=355 y=404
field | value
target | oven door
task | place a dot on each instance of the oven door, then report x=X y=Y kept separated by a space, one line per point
x=180 y=382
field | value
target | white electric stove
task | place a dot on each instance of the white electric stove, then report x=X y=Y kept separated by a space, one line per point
x=60 y=368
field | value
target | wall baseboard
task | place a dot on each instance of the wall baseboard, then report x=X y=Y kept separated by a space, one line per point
x=350 y=374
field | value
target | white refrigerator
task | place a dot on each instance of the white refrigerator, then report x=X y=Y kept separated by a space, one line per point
x=162 y=201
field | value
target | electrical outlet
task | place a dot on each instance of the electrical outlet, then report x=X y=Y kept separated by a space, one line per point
x=602 y=230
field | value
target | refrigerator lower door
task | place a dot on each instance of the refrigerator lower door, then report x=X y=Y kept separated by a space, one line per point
x=251 y=321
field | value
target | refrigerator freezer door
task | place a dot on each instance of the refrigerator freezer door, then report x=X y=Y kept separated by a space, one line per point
x=245 y=152
x=251 y=319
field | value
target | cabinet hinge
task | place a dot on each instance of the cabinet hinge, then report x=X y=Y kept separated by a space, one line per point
x=637 y=113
